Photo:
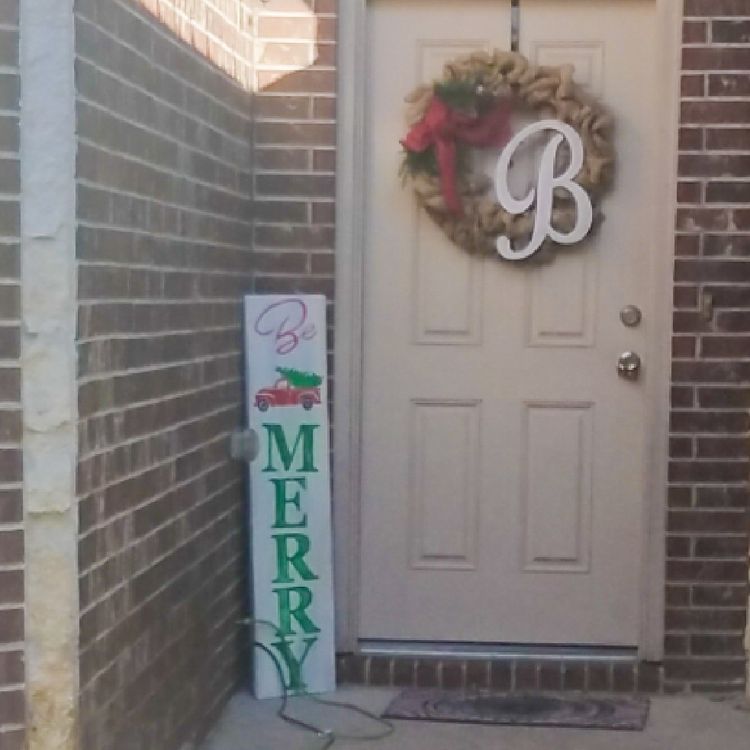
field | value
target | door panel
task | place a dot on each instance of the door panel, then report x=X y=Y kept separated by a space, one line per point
x=503 y=459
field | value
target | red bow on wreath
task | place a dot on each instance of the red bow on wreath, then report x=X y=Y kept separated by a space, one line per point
x=442 y=127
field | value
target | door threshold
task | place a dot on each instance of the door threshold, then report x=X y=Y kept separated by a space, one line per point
x=491 y=651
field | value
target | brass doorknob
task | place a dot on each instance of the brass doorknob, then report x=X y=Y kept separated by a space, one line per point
x=629 y=365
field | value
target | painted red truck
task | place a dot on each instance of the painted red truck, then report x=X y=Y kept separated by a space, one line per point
x=283 y=394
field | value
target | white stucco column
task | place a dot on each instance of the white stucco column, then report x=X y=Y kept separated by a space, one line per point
x=49 y=370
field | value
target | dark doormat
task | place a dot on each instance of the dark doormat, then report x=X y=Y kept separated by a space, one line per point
x=520 y=709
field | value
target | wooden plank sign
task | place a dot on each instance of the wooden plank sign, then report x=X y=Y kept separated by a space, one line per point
x=290 y=492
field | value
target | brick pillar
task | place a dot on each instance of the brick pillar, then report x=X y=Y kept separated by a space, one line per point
x=707 y=542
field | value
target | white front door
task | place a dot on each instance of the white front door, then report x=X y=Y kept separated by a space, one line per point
x=504 y=460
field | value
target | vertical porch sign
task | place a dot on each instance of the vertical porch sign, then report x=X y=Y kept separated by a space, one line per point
x=290 y=493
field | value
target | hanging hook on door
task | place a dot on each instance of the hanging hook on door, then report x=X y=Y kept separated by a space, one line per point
x=515 y=25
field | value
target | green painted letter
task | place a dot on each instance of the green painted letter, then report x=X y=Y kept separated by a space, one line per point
x=287 y=611
x=293 y=664
x=281 y=500
x=306 y=435
x=285 y=557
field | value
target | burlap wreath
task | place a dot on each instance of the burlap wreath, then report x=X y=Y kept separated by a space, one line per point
x=552 y=93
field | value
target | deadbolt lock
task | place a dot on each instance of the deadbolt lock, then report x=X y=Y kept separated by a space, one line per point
x=631 y=316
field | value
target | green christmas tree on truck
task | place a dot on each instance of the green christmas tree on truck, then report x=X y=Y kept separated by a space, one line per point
x=292 y=388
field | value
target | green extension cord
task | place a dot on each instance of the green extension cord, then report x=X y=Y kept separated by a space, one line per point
x=327 y=736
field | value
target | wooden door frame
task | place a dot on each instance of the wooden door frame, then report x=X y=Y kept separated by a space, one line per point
x=349 y=324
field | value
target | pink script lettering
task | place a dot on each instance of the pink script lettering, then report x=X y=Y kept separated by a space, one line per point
x=286 y=321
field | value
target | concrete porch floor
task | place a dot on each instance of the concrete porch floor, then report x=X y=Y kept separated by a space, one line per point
x=680 y=723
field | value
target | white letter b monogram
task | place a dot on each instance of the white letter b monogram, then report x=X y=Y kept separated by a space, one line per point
x=547 y=183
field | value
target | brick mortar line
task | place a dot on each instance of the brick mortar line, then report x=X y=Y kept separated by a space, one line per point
x=105 y=301
x=705 y=633
x=309 y=199
x=711 y=509
x=141 y=605
x=710 y=258
x=268 y=120
x=729 y=154
x=260 y=13
x=301 y=224
x=153 y=465
x=720 y=409
x=288 y=275
x=201 y=27
x=694 y=535
x=205 y=62
x=137 y=336
x=228 y=355
x=311 y=96
x=321 y=250
x=722 y=98
x=110 y=593
x=290 y=69
x=154 y=334
x=220 y=624
x=150 y=402
x=690 y=558
x=123 y=584
x=207 y=154
x=719 y=17
x=706 y=657
x=12 y=647
x=100 y=374
x=713 y=179
x=286 y=198
x=209 y=4
x=296 y=145
x=185 y=113
x=285 y=173
x=708 y=582
x=145 y=266
x=141 y=438
x=105 y=188
x=89 y=224
x=724 y=358
x=221 y=438
x=11 y=687
x=111 y=374
x=232 y=484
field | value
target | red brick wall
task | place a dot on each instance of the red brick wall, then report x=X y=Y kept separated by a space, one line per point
x=149 y=286
x=11 y=511
x=707 y=541
x=164 y=211
x=295 y=141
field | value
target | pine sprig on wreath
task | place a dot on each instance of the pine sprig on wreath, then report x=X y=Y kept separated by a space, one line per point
x=461 y=95
x=425 y=162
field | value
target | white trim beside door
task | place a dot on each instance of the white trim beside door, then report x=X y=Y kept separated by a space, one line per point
x=349 y=317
